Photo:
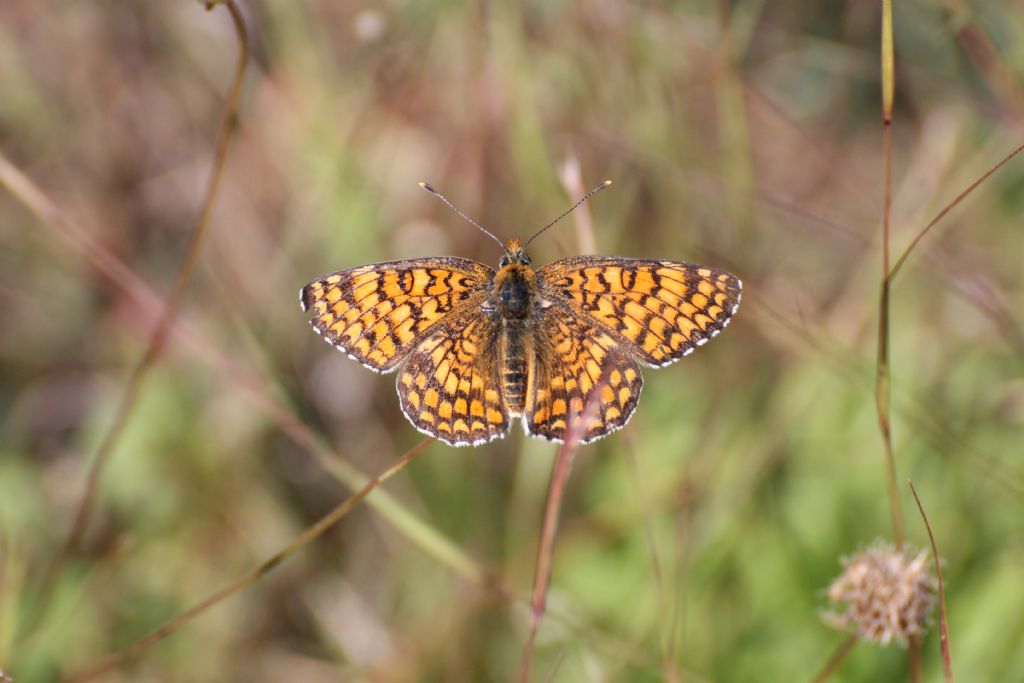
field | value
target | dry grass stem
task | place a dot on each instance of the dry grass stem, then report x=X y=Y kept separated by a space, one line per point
x=560 y=471
x=546 y=549
x=944 y=644
x=298 y=543
x=946 y=209
x=174 y=301
x=571 y=177
x=883 y=388
x=844 y=648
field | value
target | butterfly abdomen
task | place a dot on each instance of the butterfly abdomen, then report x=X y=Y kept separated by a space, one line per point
x=514 y=367
x=512 y=297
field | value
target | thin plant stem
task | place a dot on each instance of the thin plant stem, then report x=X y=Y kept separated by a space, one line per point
x=545 y=553
x=35 y=199
x=571 y=177
x=546 y=550
x=188 y=263
x=732 y=115
x=979 y=48
x=298 y=543
x=883 y=384
x=914 y=658
x=947 y=655
x=949 y=207
x=554 y=667
x=32 y=197
x=836 y=659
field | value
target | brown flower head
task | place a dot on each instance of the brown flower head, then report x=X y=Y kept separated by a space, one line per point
x=883 y=594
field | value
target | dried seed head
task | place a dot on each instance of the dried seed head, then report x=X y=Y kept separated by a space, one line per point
x=883 y=594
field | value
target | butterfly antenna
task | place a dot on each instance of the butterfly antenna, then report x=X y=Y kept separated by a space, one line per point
x=571 y=209
x=444 y=199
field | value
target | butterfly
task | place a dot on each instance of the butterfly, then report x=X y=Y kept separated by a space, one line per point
x=559 y=347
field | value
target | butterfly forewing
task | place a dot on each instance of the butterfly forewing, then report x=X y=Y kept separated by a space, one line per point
x=661 y=310
x=378 y=313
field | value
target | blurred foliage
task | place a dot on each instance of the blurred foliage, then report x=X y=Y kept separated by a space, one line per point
x=696 y=544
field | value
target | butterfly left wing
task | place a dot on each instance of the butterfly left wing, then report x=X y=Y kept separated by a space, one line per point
x=377 y=314
x=659 y=310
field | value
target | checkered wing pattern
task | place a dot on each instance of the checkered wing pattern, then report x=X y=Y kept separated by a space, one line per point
x=659 y=310
x=582 y=378
x=379 y=313
x=449 y=386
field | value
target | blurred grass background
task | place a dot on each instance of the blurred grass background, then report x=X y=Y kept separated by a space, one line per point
x=695 y=544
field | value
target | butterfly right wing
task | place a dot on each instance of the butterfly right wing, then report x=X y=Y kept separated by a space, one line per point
x=578 y=371
x=377 y=314
x=661 y=310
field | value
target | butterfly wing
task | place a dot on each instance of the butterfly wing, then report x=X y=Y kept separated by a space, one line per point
x=659 y=310
x=449 y=386
x=377 y=314
x=581 y=378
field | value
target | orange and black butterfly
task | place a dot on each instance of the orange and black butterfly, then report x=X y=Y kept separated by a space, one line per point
x=475 y=349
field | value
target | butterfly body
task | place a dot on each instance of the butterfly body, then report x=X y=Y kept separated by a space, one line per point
x=513 y=297
x=559 y=347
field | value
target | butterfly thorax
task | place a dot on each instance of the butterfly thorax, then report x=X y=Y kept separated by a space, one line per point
x=513 y=292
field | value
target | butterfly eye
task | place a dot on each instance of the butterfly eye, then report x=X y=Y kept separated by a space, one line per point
x=525 y=260
x=503 y=262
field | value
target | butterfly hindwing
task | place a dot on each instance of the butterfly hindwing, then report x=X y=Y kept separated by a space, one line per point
x=449 y=384
x=581 y=378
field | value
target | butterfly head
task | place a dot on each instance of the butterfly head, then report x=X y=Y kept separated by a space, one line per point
x=514 y=254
